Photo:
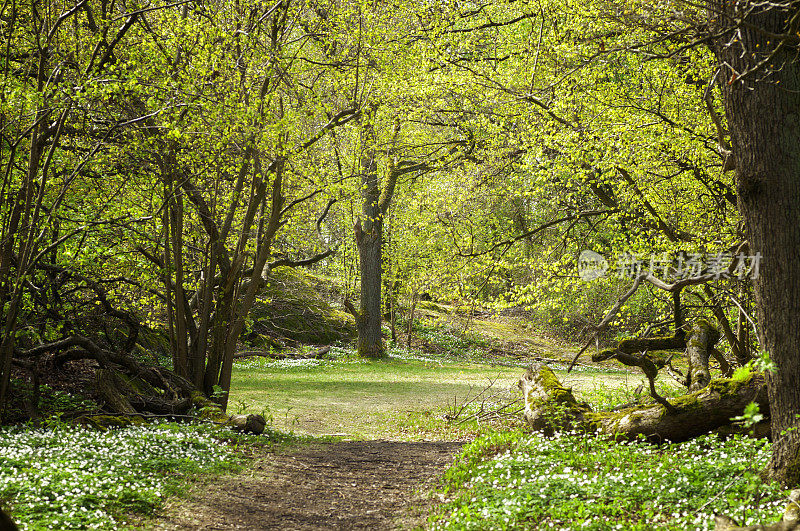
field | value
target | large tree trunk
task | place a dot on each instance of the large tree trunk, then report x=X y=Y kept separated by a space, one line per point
x=369 y=237
x=760 y=83
x=6 y=523
x=370 y=343
x=549 y=405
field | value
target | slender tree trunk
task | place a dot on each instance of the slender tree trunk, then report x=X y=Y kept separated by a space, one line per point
x=760 y=82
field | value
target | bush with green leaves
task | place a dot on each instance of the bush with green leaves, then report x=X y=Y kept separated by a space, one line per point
x=67 y=477
x=576 y=480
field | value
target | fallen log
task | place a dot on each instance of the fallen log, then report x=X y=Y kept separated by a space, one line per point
x=549 y=405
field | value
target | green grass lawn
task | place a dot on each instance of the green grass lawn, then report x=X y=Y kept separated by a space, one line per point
x=377 y=399
x=397 y=399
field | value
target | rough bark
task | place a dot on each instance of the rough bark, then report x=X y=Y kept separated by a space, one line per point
x=6 y=523
x=698 y=347
x=760 y=83
x=550 y=405
x=368 y=321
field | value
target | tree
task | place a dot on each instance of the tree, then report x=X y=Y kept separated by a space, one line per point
x=255 y=128
x=756 y=46
x=755 y=52
x=52 y=83
x=377 y=197
x=399 y=134
x=189 y=118
x=369 y=239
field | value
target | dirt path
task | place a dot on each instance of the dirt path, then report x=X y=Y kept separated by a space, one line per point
x=346 y=485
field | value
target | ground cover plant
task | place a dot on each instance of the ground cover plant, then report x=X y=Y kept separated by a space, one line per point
x=68 y=477
x=574 y=480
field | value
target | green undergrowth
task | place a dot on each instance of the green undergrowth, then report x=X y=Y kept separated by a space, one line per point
x=293 y=308
x=68 y=477
x=51 y=402
x=514 y=480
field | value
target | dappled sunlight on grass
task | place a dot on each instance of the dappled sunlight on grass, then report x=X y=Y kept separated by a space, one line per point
x=405 y=396
x=376 y=399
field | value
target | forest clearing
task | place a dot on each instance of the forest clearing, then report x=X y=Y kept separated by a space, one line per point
x=470 y=264
x=409 y=441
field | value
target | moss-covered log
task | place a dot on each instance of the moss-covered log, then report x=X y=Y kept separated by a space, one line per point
x=548 y=404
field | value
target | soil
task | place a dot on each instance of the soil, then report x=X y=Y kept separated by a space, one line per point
x=344 y=485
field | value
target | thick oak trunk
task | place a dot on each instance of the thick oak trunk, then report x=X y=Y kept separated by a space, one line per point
x=6 y=523
x=370 y=342
x=760 y=83
x=549 y=405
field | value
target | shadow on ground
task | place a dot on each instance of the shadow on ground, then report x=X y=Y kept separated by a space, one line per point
x=345 y=485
